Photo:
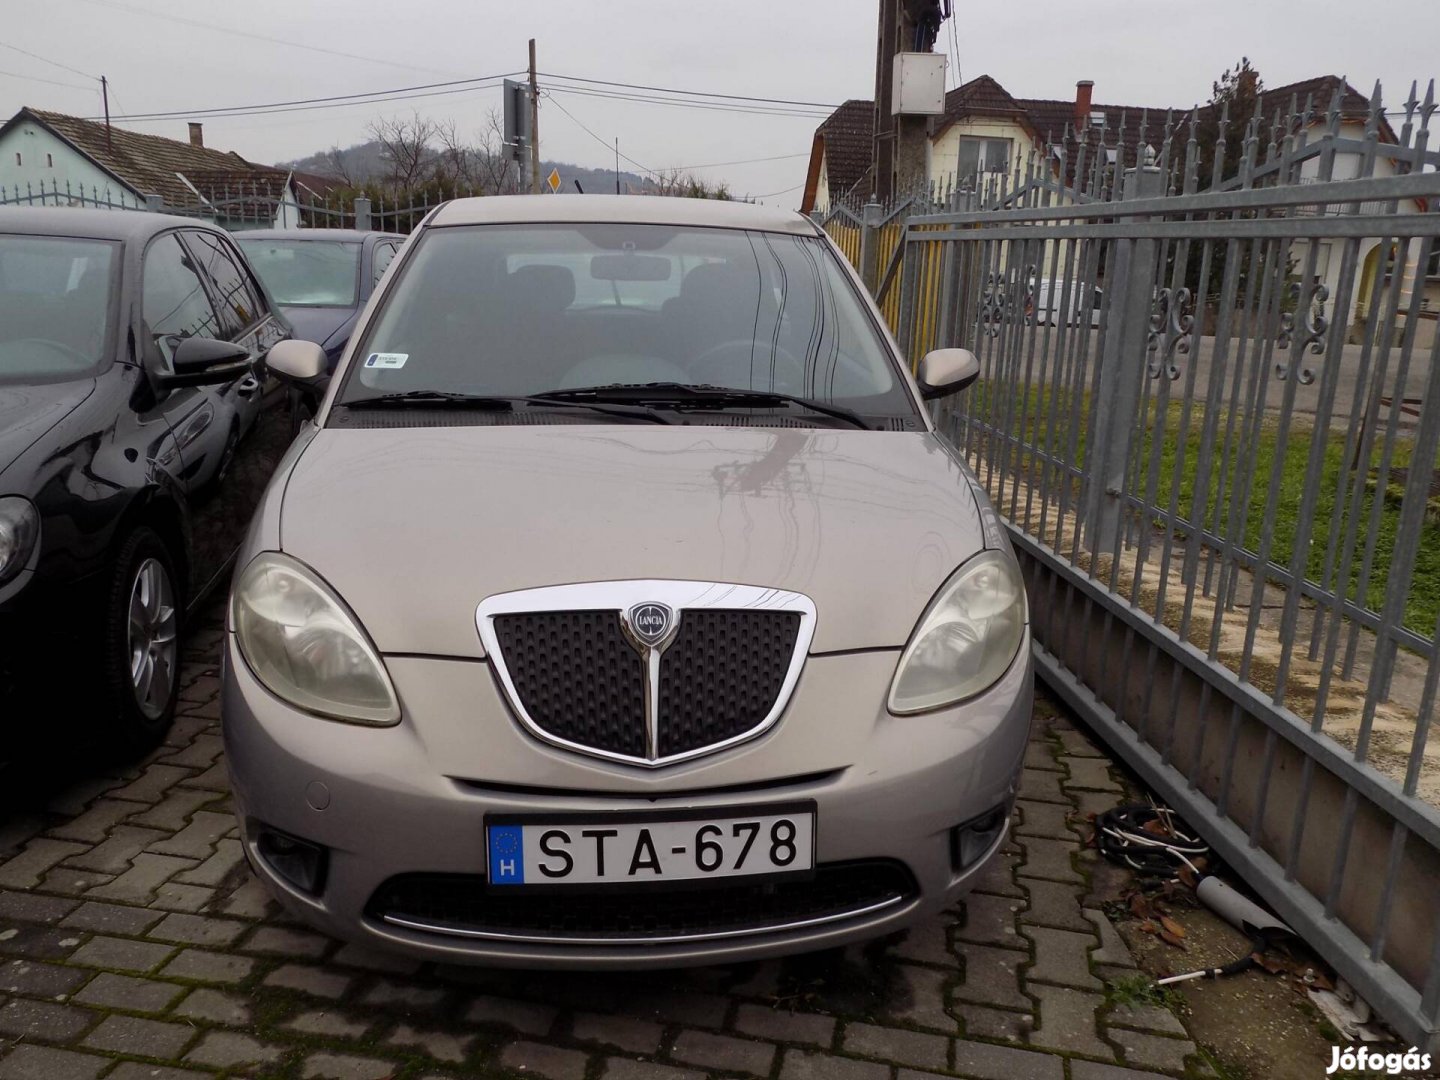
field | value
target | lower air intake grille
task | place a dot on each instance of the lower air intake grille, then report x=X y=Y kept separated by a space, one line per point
x=464 y=905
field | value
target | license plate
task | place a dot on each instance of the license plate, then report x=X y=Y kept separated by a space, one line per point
x=623 y=848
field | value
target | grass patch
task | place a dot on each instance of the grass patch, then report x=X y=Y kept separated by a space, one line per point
x=1140 y=991
x=1247 y=459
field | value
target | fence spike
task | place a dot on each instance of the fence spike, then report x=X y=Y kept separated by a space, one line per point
x=1372 y=121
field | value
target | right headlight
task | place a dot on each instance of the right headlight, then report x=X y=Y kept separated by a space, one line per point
x=305 y=646
x=966 y=639
x=19 y=528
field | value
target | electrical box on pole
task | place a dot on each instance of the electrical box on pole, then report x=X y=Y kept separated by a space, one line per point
x=517 y=118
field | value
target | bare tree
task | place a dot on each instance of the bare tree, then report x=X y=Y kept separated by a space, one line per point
x=336 y=162
x=405 y=149
x=687 y=186
x=491 y=158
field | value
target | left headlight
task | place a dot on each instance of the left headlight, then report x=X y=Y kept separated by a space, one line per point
x=966 y=639
x=19 y=528
x=306 y=646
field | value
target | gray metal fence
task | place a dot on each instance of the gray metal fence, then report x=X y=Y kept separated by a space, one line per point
x=241 y=206
x=1210 y=414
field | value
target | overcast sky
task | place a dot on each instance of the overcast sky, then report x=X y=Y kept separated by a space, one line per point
x=165 y=55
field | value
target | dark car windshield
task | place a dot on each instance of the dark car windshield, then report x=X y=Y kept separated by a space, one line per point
x=54 y=306
x=306 y=273
x=529 y=309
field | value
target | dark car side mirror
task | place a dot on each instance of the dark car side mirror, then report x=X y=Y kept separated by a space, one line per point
x=199 y=361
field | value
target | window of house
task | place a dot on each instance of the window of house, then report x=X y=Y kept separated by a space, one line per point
x=979 y=155
x=17 y=157
x=49 y=161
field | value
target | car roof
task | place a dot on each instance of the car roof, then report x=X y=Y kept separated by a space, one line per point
x=620 y=209
x=353 y=235
x=90 y=223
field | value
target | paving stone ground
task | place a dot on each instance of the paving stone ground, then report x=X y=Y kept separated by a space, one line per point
x=135 y=945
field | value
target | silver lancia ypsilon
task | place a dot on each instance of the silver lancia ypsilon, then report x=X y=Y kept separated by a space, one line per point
x=621 y=605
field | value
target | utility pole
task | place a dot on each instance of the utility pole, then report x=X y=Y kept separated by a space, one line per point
x=105 y=97
x=900 y=139
x=617 y=165
x=534 y=125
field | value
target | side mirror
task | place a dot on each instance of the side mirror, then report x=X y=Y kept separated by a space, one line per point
x=947 y=371
x=199 y=361
x=297 y=361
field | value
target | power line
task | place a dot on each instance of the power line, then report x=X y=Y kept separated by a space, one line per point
x=773 y=194
x=690 y=93
x=742 y=161
x=49 y=82
x=709 y=106
x=366 y=98
x=47 y=60
x=166 y=17
x=597 y=138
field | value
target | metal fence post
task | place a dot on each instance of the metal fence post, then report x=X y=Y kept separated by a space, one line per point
x=1131 y=286
x=362 y=213
x=869 y=233
x=155 y=203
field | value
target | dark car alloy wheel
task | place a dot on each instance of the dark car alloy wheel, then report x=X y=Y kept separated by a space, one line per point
x=152 y=637
x=142 y=639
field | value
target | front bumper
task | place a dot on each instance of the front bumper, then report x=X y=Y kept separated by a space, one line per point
x=412 y=799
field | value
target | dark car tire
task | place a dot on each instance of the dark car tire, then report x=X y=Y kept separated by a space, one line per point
x=143 y=582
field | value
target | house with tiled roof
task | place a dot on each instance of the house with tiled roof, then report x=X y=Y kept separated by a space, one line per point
x=67 y=159
x=840 y=156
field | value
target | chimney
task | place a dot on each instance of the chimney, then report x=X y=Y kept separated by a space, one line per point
x=197 y=132
x=1082 y=104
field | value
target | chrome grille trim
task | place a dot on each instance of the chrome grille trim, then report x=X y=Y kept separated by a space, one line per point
x=518 y=937
x=620 y=597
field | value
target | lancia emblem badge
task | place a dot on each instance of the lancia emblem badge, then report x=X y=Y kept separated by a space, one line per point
x=650 y=623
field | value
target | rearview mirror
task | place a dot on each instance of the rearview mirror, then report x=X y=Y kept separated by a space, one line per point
x=297 y=361
x=630 y=267
x=200 y=361
x=947 y=371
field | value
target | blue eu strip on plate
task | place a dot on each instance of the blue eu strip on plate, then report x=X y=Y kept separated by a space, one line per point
x=507 y=855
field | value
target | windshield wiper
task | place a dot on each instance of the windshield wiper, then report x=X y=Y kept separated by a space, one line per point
x=442 y=399
x=702 y=395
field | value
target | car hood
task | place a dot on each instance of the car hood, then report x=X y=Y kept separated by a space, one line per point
x=318 y=324
x=415 y=526
x=28 y=412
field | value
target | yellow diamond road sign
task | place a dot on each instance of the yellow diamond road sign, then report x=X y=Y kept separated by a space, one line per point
x=554 y=180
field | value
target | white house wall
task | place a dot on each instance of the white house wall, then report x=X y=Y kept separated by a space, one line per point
x=65 y=166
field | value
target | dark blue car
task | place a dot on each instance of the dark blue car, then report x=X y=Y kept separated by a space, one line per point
x=321 y=279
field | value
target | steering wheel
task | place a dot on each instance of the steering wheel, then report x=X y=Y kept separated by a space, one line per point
x=725 y=363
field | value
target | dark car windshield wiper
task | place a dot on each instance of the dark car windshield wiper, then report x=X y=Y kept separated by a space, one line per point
x=702 y=395
x=442 y=399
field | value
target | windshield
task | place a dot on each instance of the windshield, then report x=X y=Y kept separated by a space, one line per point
x=524 y=310
x=306 y=273
x=54 y=306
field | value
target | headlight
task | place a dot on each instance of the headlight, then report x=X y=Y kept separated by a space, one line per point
x=19 y=527
x=966 y=639
x=303 y=643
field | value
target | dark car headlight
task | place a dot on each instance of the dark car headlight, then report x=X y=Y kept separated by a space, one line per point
x=19 y=529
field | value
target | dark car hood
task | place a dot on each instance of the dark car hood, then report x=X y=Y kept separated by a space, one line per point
x=319 y=324
x=28 y=411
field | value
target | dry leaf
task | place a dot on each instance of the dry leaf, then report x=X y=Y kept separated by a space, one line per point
x=1156 y=827
x=1172 y=926
x=1148 y=927
x=1187 y=877
x=1170 y=939
x=1140 y=906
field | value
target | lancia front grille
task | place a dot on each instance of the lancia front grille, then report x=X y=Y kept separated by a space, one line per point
x=579 y=675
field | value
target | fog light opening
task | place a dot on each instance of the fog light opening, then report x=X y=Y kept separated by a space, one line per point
x=299 y=862
x=970 y=841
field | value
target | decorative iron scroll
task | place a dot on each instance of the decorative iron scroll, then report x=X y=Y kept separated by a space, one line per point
x=1171 y=322
x=1310 y=335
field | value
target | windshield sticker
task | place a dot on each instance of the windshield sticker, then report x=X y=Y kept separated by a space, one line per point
x=386 y=359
